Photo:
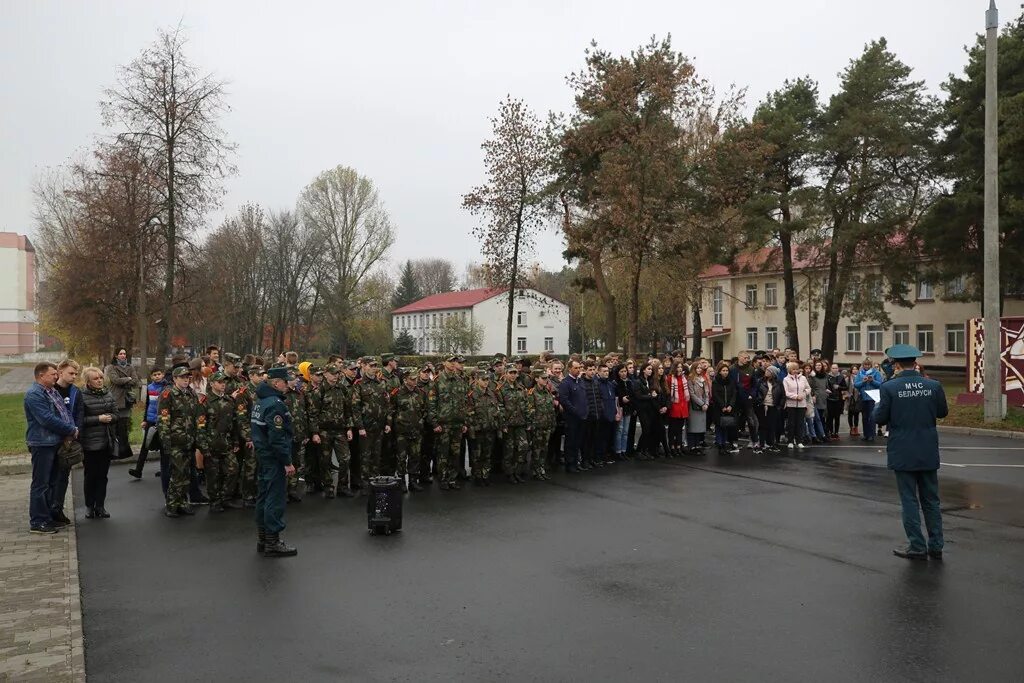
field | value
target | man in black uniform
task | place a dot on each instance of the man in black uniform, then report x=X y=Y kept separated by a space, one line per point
x=272 y=439
x=909 y=404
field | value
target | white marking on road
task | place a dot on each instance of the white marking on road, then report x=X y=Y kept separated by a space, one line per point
x=975 y=464
x=941 y=448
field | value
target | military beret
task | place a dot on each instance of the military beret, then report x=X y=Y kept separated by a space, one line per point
x=903 y=352
x=315 y=370
x=181 y=371
x=387 y=357
x=331 y=368
x=218 y=377
x=277 y=373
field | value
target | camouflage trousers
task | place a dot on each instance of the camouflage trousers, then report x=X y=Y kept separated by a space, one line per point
x=540 y=438
x=247 y=472
x=517 y=447
x=333 y=443
x=221 y=476
x=407 y=453
x=370 y=452
x=481 y=450
x=181 y=475
x=448 y=452
x=298 y=450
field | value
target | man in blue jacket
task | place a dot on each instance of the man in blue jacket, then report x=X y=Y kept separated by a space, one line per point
x=573 y=401
x=49 y=422
x=909 y=404
x=272 y=440
x=609 y=409
x=868 y=377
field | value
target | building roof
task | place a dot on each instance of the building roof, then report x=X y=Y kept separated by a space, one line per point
x=767 y=260
x=450 y=300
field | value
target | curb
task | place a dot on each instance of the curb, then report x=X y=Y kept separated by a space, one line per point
x=22 y=464
x=975 y=431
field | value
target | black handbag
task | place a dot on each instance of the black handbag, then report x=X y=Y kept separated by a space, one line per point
x=727 y=421
x=70 y=454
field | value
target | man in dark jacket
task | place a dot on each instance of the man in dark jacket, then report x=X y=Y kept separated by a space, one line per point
x=909 y=404
x=272 y=439
x=573 y=402
x=48 y=422
x=606 y=419
x=588 y=437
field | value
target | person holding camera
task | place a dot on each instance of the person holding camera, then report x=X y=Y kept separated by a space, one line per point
x=124 y=387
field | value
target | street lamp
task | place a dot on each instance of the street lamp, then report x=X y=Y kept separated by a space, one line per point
x=994 y=405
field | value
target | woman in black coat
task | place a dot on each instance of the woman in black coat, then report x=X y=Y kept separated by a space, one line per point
x=98 y=438
x=646 y=403
x=724 y=395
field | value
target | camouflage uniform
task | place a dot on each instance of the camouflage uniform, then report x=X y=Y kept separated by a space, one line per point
x=427 y=442
x=247 y=454
x=374 y=404
x=335 y=405
x=408 y=410
x=515 y=406
x=218 y=441
x=447 y=408
x=484 y=419
x=544 y=420
x=303 y=426
x=392 y=382
x=178 y=429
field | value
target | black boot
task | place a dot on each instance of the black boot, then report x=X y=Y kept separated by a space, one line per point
x=275 y=547
x=261 y=540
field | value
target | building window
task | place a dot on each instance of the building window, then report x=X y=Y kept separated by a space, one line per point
x=875 y=289
x=925 y=339
x=771 y=336
x=954 y=339
x=901 y=334
x=751 y=296
x=463 y=316
x=875 y=334
x=549 y=344
x=433 y=322
x=924 y=291
x=956 y=287
x=752 y=338
x=520 y=344
x=717 y=307
x=852 y=339
x=771 y=296
x=521 y=319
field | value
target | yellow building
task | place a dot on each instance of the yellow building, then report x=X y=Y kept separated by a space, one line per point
x=743 y=309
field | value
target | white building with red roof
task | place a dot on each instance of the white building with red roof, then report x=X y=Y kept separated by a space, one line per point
x=540 y=323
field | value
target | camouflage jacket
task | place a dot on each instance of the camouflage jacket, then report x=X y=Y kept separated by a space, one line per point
x=374 y=403
x=248 y=399
x=335 y=407
x=408 y=410
x=224 y=420
x=298 y=408
x=542 y=407
x=179 y=419
x=448 y=400
x=515 y=405
x=233 y=384
x=391 y=380
x=484 y=409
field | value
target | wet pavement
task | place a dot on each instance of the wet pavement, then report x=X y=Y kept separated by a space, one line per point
x=738 y=568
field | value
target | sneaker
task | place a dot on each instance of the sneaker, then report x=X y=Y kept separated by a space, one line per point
x=42 y=529
x=801 y=446
x=790 y=445
x=758 y=450
x=910 y=553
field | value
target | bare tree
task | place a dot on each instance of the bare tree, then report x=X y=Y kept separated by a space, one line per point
x=516 y=165
x=434 y=275
x=346 y=212
x=172 y=111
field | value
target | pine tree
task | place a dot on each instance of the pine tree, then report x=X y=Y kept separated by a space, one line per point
x=408 y=290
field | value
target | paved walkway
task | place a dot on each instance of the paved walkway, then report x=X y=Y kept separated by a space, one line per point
x=16 y=381
x=40 y=598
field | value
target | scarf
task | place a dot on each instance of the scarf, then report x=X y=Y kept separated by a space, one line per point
x=680 y=390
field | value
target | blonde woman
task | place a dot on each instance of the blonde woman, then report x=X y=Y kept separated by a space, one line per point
x=798 y=391
x=98 y=438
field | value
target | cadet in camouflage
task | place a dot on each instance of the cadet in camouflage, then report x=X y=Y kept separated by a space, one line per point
x=297 y=401
x=408 y=412
x=515 y=408
x=447 y=408
x=247 y=468
x=374 y=403
x=179 y=421
x=544 y=419
x=484 y=421
x=219 y=442
x=338 y=417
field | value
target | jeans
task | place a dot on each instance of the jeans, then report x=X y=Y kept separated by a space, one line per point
x=815 y=428
x=919 y=493
x=868 y=409
x=795 y=424
x=44 y=466
x=59 y=480
x=631 y=438
x=835 y=414
x=573 y=429
x=622 y=434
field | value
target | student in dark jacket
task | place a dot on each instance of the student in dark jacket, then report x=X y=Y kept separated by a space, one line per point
x=624 y=396
x=837 y=389
x=724 y=396
x=773 y=405
x=607 y=418
x=98 y=438
x=67 y=376
x=909 y=404
x=588 y=439
x=573 y=402
x=646 y=403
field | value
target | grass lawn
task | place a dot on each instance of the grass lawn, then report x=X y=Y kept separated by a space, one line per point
x=12 y=425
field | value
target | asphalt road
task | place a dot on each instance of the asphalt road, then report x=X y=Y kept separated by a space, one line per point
x=732 y=568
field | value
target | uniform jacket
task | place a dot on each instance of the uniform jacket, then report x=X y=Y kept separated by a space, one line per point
x=515 y=404
x=224 y=418
x=448 y=400
x=408 y=410
x=180 y=419
x=543 y=408
x=335 y=406
x=484 y=409
x=606 y=391
x=374 y=403
x=271 y=426
x=95 y=435
x=910 y=403
x=572 y=397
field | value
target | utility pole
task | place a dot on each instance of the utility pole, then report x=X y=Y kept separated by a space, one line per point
x=993 y=331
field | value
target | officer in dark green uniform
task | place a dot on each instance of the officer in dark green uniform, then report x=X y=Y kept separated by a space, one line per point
x=909 y=404
x=272 y=439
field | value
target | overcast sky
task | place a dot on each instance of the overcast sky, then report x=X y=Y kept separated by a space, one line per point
x=402 y=91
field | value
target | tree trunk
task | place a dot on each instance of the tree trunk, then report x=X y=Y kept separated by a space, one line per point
x=167 y=300
x=611 y=321
x=141 y=315
x=838 y=279
x=512 y=282
x=698 y=331
x=632 y=336
x=788 y=286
